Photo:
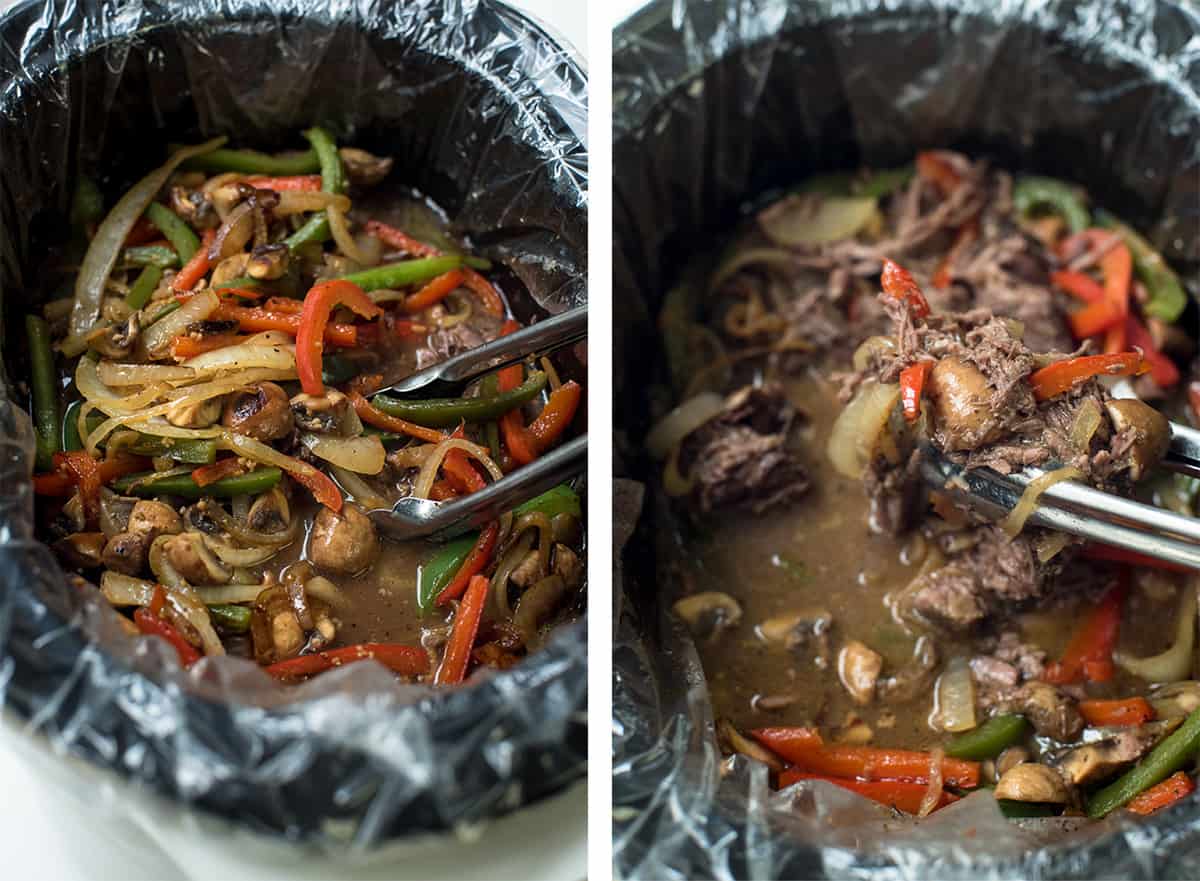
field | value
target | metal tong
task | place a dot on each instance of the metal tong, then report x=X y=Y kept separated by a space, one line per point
x=416 y=518
x=1079 y=509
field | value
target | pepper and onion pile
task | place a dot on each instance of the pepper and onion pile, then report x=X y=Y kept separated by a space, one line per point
x=205 y=402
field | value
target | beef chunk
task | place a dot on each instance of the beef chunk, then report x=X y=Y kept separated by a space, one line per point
x=995 y=573
x=1050 y=711
x=741 y=457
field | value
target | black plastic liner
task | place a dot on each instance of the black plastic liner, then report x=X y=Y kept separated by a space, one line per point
x=716 y=104
x=485 y=113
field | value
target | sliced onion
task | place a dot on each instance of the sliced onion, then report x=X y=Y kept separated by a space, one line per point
x=412 y=457
x=776 y=258
x=232 y=556
x=321 y=588
x=87 y=381
x=387 y=295
x=956 y=697
x=358 y=489
x=107 y=243
x=1027 y=504
x=537 y=604
x=115 y=373
x=188 y=605
x=856 y=432
x=341 y=235
x=872 y=347
x=932 y=796
x=124 y=590
x=1176 y=662
x=1087 y=420
x=159 y=335
x=429 y=470
x=270 y=338
x=1050 y=545
x=682 y=421
x=303 y=201
x=167 y=574
x=234 y=233
x=810 y=219
x=362 y=455
x=453 y=319
x=244 y=534
x=213 y=595
x=509 y=561
x=243 y=357
x=674 y=483
x=225 y=384
x=263 y=454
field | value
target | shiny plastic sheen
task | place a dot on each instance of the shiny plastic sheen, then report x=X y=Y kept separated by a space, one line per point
x=485 y=112
x=716 y=104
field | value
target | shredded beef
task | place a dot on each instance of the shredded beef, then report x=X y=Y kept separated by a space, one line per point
x=741 y=457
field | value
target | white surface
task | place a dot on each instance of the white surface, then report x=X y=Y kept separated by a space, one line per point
x=63 y=820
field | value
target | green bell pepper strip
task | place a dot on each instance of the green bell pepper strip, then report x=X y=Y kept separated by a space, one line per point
x=333 y=180
x=435 y=573
x=87 y=202
x=1164 y=760
x=489 y=386
x=989 y=739
x=1031 y=193
x=44 y=384
x=253 y=162
x=445 y=412
x=178 y=233
x=407 y=272
x=243 y=281
x=71 y=440
x=257 y=481
x=143 y=288
x=1167 y=296
x=231 y=617
x=187 y=450
x=151 y=255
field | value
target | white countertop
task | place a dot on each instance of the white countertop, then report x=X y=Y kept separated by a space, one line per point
x=64 y=820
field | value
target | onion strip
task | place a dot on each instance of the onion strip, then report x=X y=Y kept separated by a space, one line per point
x=682 y=421
x=304 y=201
x=429 y=470
x=1027 y=504
x=243 y=357
x=362 y=455
x=159 y=335
x=212 y=595
x=341 y=235
x=358 y=489
x=1176 y=662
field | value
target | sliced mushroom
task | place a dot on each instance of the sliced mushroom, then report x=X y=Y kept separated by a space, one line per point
x=82 y=550
x=72 y=517
x=1150 y=429
x=733 y=741
x=270 y=512
x=962 y=408
x=529 y=570
x=537 y=605
x=274 y=627
x=263 y=412
x=116 y=340
x=807 y=629
x=154 y=519
x=268 y=262
x=345 y=542
x=329 y=413
x=195 y=207
x=1101 y=759
x=566 y=562
x=1010 y=758
x=364 y=169
x=115 y=511
x=1031 y=782
x=708 y=613
x=126 y=552
x=1051 y=713
x=233 y=266
x=858 y=668
x=1176 y=699
x=915 y=677
x=188 y=554
x=194 y=414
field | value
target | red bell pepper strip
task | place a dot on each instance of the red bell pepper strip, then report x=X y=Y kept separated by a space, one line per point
x=152 y=625
x=255 y=320
x=898 y=284
x=1093 y=551
x=805 y=750
x=476 y=560
x=435 y=291
x=1089 y=653
x=966 y=234
x=319 y=302
x=512 y=426
x=62 y=482
x=1062 y=376
x=903 y=795
x=197 y=267
x=400 y=240
x=935 y=168
x=319 y=483
x=555 y=416
x=462 y=637
x=912 y=386
x=1162 y=369
x=406 y=329
x=227 y=467
x=485 y=290
x=184 y=347
x=459 y=470
x=442 y=491
x=157 y=600
x=1094 y=318
x=1079 y=285
x=283 y=304
x=374 y=416
x=1163 y=794
x=1131 y=711
x=407 y=660
x=143 y=231
x=304 y=182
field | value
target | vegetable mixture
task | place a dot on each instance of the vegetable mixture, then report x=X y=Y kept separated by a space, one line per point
x=856 y=626
x=211 y=436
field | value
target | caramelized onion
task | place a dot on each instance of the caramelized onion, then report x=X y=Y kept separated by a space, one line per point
x=1176 y=662
x=358 y=489
x=956 y=697
x=362 y=455
x=234 y=233
x=682 y=421
x=429 y=470
x=809 y=219
x=158 y=336
x=1087 y=420
x=1027 y=504
x=856 y=432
